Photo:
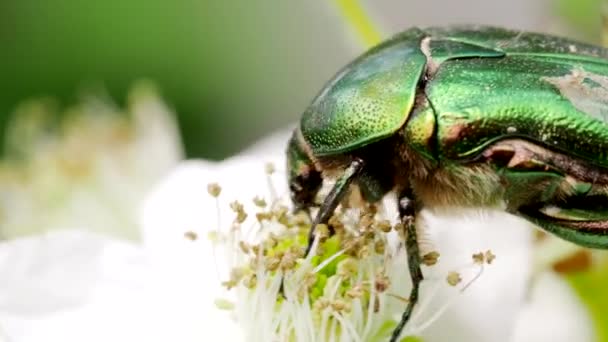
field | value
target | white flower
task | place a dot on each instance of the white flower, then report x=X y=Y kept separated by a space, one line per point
x=169 y=288
x=86 y=168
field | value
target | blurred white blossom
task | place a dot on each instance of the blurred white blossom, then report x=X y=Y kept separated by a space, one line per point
x=86 y=168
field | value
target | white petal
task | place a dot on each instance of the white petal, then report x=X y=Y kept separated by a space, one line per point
x=194 y=270
x=178 y=205
x=39 y=273
x=488 y=309
x=553 y=313
x=69 y=286
x=181 y=203
x=78 y=286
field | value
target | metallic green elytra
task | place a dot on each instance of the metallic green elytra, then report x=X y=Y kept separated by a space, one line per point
x=468 y=117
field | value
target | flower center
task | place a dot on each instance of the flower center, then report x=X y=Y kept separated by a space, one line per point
x=353 y=285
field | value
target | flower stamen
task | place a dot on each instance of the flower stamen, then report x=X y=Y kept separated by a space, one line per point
x=349 y=287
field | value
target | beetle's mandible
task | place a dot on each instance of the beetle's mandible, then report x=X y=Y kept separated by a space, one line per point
x=463 y=116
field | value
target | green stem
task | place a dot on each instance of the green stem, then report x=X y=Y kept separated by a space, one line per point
x=354 y=14
x=605 y=23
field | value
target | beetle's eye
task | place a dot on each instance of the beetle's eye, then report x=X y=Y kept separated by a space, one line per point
x=304 y=188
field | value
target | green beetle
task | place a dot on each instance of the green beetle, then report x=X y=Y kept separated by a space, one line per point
x=464 y=116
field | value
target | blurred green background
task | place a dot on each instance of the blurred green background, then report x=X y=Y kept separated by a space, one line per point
x=232 y=70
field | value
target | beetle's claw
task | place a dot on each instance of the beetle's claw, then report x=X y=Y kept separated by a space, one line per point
x=282 y=288
x=579 y=219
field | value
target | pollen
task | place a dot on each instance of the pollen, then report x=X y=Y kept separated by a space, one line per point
x=384 y=226
x=430 y=258
x=382 y=282
x=244 y=246
x=238 y=208
x=355 y=292
x=453 y=278
x=363 y=252
x=190 y=235
x=288 y=262
x=224 y=304
x=269 y=168
x=379 y=247
x=259 y=202
x=479 y=258
x=321 y=304
x=340 y=305
x=336 y=224
x=214 y=189
x=263 y=216
x=489 y=256
x=273 y=263
x=250 y=281
x=347 y=268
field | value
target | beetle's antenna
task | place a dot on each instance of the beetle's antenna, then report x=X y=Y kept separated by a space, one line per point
x=333 y=199
x=355 y=15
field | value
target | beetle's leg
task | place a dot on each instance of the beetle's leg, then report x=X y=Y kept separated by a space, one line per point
x=579 y=219
x=329 y=205
x=563 y=195
x=333 y=199
x=408 y=209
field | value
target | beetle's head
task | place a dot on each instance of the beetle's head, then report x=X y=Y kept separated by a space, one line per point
x=348 y=124
x=375 y=176
x=303 y=177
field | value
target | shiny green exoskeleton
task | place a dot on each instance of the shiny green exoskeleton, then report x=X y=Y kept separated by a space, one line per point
x=464 y=116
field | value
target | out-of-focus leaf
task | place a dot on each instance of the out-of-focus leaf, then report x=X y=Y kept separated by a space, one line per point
x=412 y=339
x=591 y=287
x=583 y=16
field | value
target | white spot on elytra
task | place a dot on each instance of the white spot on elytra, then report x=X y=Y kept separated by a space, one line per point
x=588 y=92
x=511 y=129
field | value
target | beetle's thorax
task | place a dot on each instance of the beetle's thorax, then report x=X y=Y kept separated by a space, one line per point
x=460 y=185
